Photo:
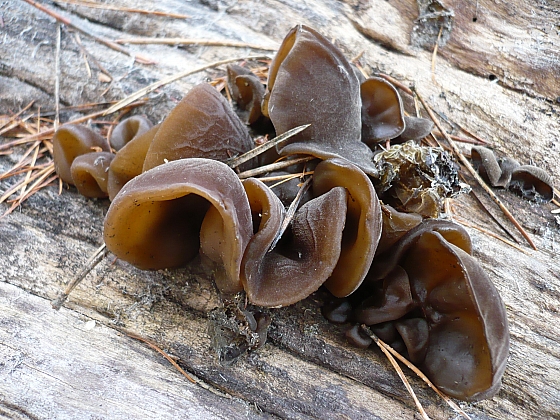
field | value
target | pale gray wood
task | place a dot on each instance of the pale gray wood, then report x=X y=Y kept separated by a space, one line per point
x=306 y=370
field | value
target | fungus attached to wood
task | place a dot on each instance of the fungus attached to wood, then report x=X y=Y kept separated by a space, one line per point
x=202 y=125
x=71 y=141
x=311 y=82
x=90 y=173
x=129 y=129
x=158 y=219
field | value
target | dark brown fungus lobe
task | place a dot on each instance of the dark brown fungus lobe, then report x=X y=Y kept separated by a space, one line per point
x=532 y=183
x=71 y=141
x=128 y=129
x=384 y=263
x=90 y=173
x=157 y=219
x=395 y=225
x=337 y=310
x=484 y=161
x=129 y=161
x=247 y=90
x=382 y=111
x=356 y=336
x=468 y=344
x=305 y=256
x=391 y=302
x=311 y=82
x=415 y=129
x=362 y=226
x=202 y=125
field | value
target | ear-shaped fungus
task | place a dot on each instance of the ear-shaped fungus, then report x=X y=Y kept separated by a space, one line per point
x=532 y=183
x=90 y=173
x=71 y=141
x=362 y=227
x=247 y=90
x=382 y=111
x=305 y=256
x=438 y=307
x=414 y=129
x=202 y=125
x=128 y=129
x=156 y=219
x=129 y=161
x=311 y=82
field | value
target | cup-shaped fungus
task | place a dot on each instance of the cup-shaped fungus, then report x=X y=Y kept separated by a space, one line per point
x=129 y=161
x=71 y=141
x=532 y=183
x=415 y=129
x=155 y=221
x=202 y=125
x=128 y=129
x=439 y=308
x=247 y=90
x=382 y=111
x=90 y=173
x=305 y=256
x=362 y=226
x=311 y=82
x=467 y=341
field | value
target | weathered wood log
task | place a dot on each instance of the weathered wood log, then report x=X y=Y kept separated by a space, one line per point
x=64 y=365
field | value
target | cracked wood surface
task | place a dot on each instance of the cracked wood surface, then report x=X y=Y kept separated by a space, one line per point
x=63 y=365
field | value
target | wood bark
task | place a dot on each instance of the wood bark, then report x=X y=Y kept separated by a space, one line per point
x=79 y=363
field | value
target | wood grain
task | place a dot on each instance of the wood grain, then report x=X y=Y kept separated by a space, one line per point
x=62 y=365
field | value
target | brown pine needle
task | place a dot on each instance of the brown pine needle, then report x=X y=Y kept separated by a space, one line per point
x=79 y=28
x=417 y=371
x=91 y=263
x=160 y=351
x=245 y=157
x=104 y=6
x=291 y=212
x=471 y=170
x=274 y=166
x=15 y=116
x=385 y=349
x=464 y=222
x=283 y=178
x=21 y=184
x=170 y=79
x=192 y=41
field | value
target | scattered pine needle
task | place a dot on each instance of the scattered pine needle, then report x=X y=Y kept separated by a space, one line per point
x=274 y=167
x=245 y=157
x=197 y=42
x=389 y=351
x=91 y=263
x=105 y=6
x=434 y=55
x=471 y=170
x=104 y=41
x=173 y=78
x=385 y=349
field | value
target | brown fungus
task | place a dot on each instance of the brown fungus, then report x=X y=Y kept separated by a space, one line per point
x=468 y=344
x=532 y=183
x=311 y=82
x=435 y=304
x=156 y=219
x=362 y=226
x=90 y=173
x=202 y=125
x=382 y=111
x=71 y=141
x=305 y=256
x=128 y=129
x=247 y=90
x=415 y=129
x=129 y=161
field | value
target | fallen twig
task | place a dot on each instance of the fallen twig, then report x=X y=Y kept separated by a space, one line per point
x=191 y=41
